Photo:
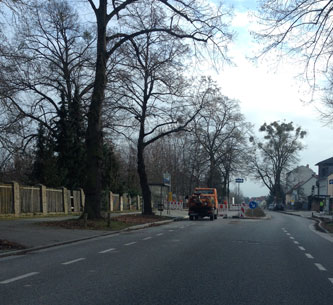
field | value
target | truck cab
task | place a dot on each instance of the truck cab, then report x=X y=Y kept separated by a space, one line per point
x=203 y=203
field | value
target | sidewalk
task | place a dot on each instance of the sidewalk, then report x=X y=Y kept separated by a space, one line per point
x=309 y=214
x=317 y=216
x=27 y=232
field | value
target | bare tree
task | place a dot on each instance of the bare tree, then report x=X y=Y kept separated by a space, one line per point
x=296 y=26
x=301 y=27
x=218 y=129
x=46 y=68
x=273 y=156
x=185 y=19
x=152 y=89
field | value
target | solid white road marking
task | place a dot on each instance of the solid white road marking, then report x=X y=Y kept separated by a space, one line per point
x=320 y=267
x=18 y=278
x=308 y=255
x=296 y=242
x=132 y=243
x=146 y=238
x=301 y=248
x=74 y=261
x=331 y=280
x=107 y=250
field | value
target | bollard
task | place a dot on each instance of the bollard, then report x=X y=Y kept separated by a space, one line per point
x=85 y=218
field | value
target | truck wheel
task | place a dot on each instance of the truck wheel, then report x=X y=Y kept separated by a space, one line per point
x=215 y=216
x=212 y=217
x=196 y=217
x=191 y=217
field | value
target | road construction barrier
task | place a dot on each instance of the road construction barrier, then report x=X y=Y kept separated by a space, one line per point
x=223 y=209
x=242 y=210
x=174 y=205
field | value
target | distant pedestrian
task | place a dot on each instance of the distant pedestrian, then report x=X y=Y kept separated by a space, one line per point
x=321 y=205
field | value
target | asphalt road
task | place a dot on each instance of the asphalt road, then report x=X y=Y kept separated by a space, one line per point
x=227 y=261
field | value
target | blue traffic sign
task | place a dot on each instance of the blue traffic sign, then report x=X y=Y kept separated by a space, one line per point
x=252 y=204
x=239 y=180
x=331 y=181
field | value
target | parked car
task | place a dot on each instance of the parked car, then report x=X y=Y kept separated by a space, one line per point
x=271 y=207
x=278 y=207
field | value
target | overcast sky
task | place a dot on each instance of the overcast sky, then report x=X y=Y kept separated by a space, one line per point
x=268 y=92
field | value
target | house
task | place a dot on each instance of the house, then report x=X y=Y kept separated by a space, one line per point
x=325 y=169
x=300 y=184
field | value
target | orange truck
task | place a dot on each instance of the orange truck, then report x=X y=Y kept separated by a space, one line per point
x=202 y=203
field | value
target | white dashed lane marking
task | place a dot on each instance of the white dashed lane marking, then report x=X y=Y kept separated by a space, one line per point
x=301 y=248
x=308 y=255
x=146 y=238
x=291 y=237
x=320 y=267
x=288 y=234
x=20 y=277
x=130 y=244
x=331 y=280
x=107 y=250
x=296 y=242
x=171 y=230
x=159 y=234
x=73 y=261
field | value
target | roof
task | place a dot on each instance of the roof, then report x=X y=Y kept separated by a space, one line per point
x=298 y=185
x=327 y=161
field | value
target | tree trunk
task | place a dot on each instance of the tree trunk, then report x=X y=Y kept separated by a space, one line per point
x=94 y=139
x=146 y=194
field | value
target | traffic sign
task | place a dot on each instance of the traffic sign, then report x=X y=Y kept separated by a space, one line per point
x=239 y=180
x=252 y=205
x=330 y=181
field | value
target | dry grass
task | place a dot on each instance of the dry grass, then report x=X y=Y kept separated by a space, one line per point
x=117 y=223
x=257 y=212
x=9 y=245
x=328 y=226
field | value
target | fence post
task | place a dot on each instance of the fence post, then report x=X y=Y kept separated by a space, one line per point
x=43 y=198
x=111 y=201
x=129 y=201
x=16 y=198
x=82 y=198
x=121 y=203
x=138 y=202
x=65 y=199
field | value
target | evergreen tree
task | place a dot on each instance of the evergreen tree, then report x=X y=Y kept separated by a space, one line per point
x=70 y=142
x=45 y=170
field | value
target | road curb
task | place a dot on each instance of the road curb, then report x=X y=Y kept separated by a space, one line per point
x=72 y=241
x=315 y=218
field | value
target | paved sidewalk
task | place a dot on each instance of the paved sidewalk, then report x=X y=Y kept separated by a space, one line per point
x=309 y=214
x=27 y=231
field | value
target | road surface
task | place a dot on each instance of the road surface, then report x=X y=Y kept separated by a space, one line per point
x=227 y=261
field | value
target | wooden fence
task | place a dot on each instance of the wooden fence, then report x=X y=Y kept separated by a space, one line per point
x=18 y=200
x=115 y=202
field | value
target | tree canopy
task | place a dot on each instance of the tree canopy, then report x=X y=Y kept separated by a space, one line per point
x=274 y=154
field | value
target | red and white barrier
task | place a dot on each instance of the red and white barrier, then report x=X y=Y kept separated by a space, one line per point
x=176 y=205
x=223 y=209
x=242 y=210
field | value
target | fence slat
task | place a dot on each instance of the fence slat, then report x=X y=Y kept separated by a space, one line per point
x=6 y=199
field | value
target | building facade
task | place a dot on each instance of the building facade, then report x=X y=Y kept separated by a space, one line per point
x=325 y=169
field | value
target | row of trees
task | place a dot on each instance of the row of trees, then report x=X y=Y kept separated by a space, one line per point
x=71 y=87
x=71 y=92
